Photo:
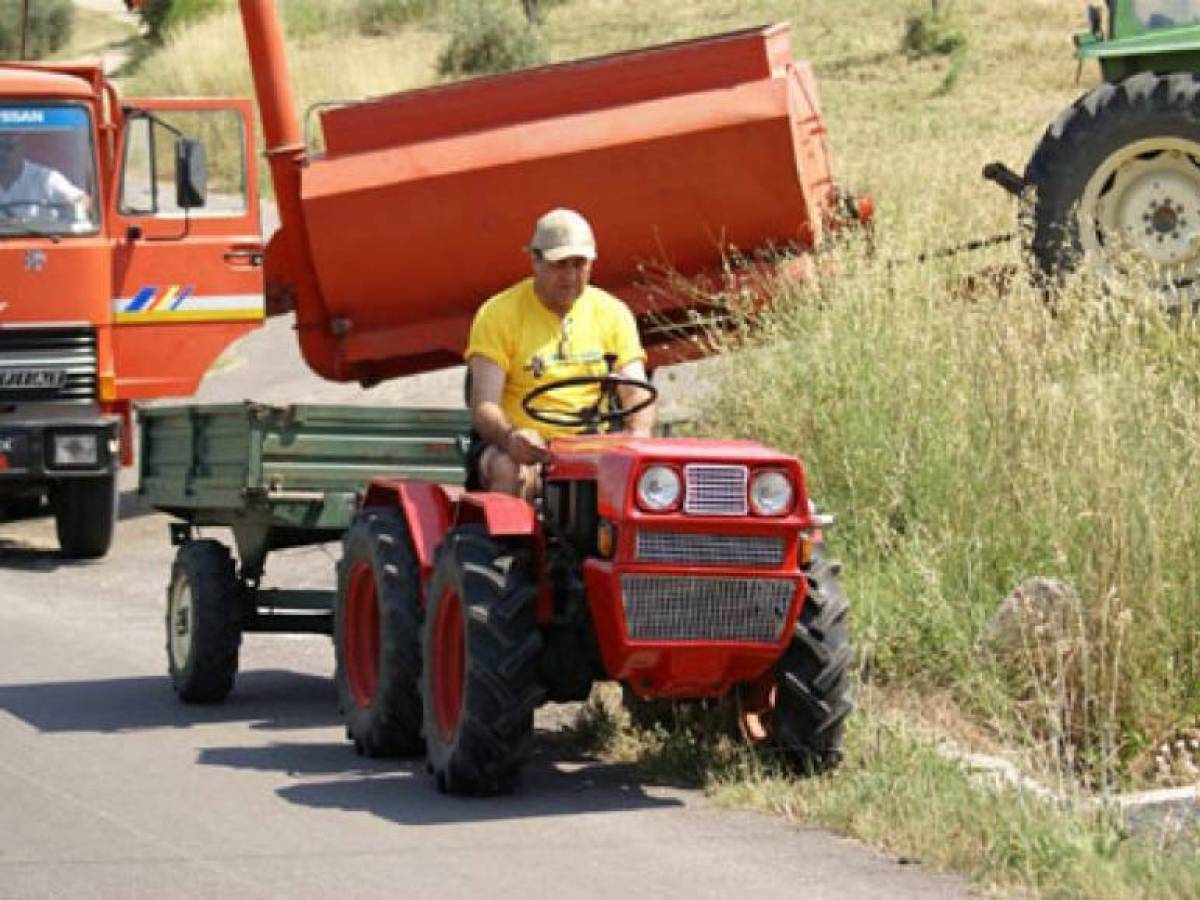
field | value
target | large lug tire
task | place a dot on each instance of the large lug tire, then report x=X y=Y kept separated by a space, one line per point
x=203 y=623
x=799 y=708
x=1116 y=184
x=481 y=647
x=85 y=513
x=377 y=636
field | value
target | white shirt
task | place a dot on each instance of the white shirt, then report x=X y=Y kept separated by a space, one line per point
x=39 y=184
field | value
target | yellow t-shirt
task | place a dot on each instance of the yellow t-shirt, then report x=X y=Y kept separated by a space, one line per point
x=534 y=346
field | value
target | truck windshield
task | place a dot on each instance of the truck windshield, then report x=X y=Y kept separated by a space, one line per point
x=1166 y=13
x=47 y=170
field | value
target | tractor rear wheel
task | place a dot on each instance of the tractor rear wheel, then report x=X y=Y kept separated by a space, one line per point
x=1116 y=183
x=799 y=707
x=376 y=636
x=203 y=622
x=481 y=647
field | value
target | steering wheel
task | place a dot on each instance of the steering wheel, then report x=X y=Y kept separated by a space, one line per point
x=590 y=418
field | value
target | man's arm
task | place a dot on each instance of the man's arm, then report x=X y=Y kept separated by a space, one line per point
x=487 y=388
x=641 y=423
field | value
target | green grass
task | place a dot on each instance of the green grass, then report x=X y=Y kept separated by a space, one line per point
x=899 y=791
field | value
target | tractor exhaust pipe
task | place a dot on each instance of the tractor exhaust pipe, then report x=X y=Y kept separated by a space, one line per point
x=1005 y=177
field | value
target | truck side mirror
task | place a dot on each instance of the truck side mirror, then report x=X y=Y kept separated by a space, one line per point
x=191 y=175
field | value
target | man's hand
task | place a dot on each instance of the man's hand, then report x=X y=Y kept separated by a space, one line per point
x=527 y=447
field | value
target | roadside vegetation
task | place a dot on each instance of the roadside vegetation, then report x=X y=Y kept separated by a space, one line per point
x=51 y=23
x=968 y=436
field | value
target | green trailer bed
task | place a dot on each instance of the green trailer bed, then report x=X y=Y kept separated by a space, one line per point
x=286 y=477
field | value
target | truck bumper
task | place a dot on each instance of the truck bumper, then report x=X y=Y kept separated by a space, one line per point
x=55 y=449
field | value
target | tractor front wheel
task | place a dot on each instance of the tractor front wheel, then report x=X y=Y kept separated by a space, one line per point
x=1116 y=186
x=481 y=647
x=799 y=708
x=376 y=636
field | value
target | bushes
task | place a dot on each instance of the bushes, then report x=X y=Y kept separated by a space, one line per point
x=489 y=36
x=50 y=23
x=160 y=16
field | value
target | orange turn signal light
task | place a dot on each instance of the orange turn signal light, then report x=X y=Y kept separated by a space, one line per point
x=606 y=538
x=108 y=387
x=805 y=551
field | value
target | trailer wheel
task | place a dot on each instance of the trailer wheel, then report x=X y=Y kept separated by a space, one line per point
x=1116 y=183
x=799 y=708
x=481 y=647
x=377 y=635
x=203 y=622
x=85 y=512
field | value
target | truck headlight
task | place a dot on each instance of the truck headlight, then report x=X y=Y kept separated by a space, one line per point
x=771 y=493
x=75 y=450
x=658 y=489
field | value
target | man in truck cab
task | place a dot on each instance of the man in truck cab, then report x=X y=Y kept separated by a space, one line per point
x=33 y=192
x=550 y=327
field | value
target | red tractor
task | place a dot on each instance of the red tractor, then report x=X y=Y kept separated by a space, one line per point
x=683 y=568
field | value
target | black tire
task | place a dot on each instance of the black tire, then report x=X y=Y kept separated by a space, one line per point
x=481 y=628
x=377 y=636
x=203 y=622
x=85 y=512
x=812 y=678
x=1116 y=178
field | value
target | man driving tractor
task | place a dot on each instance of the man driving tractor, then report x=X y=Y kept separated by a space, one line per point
x=552 y=326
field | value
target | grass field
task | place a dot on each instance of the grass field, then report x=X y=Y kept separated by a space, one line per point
x=969 y=437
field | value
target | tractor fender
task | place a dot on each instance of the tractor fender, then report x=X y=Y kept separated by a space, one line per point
x=427 y=508
x=501 y=514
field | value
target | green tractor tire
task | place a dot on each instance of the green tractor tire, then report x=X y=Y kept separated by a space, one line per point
x=1116 y=183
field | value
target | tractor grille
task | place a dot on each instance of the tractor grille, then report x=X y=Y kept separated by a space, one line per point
x=47 y=364
x=709 y=549
x=705 y=609
x=715 y=490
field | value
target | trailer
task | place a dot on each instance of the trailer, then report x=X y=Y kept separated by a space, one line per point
x=273 y=477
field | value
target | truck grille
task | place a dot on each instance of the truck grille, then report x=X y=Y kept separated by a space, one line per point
x=47 y=364
x=705 y=609
x=709 y=549
x=715 y=490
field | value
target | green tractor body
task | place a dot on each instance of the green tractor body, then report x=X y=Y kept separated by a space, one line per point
x=1142 y=36
x=1114 y=183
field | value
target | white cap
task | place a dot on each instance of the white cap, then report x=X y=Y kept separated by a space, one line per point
x=561 y=234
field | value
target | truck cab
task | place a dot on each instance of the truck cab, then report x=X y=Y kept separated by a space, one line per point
x=130 y=256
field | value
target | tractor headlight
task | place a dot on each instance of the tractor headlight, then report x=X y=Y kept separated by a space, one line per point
x=658 y=489
x=771 y=493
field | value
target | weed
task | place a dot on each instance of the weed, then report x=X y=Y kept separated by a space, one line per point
x=488 y=37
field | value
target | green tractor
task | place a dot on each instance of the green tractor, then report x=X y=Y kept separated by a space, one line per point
x=1115 y=182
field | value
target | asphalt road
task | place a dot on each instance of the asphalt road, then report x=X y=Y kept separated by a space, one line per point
x=110 y=788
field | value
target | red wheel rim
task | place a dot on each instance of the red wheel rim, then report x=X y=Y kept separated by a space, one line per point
x=449 y=663
x=360 y=634
x=756 y=709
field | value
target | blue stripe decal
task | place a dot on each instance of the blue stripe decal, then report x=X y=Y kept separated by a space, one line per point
x=141 y=298
x=42 y=118
x=183 y=295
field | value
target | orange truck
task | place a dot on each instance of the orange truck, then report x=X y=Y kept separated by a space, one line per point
x=126 y=266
